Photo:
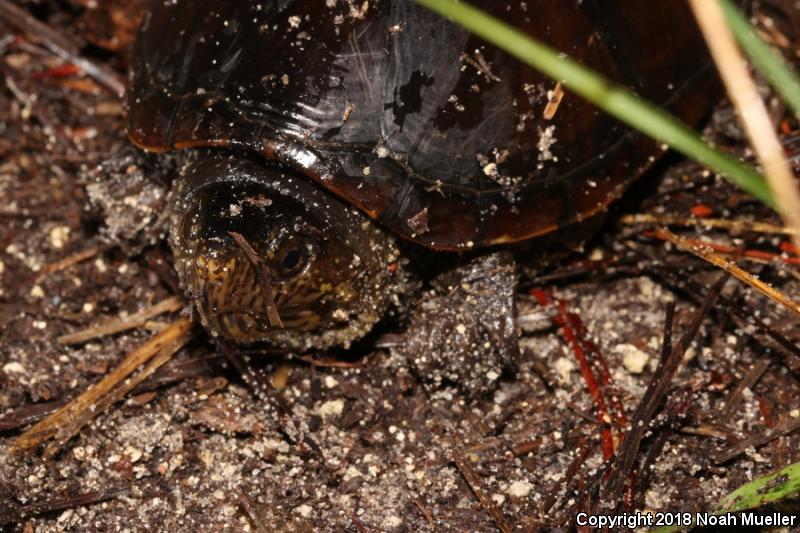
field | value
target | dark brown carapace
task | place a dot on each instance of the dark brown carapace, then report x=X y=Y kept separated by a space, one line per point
x=445 y=140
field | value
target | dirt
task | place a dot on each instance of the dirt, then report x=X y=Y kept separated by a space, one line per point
x=196 y=450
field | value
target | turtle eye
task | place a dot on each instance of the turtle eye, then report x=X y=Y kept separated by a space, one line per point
x=289 y=258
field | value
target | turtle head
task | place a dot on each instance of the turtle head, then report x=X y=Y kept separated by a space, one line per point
x=266 y=256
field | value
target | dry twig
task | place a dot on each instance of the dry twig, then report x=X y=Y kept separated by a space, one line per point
x=656 y=391
x=787 y=353
x=262 y=274
x=250 y=511
x=559 y=488
x=784 y=428
x=68 y=261
x=752 y=112
x=10 y=514
x=745 y=254
x=59 y=45
x=474 y=483
x=705 y=253
x=27 y=414
x=68 y=420
x=734 y=226
x=736 y=396
x=117 y=324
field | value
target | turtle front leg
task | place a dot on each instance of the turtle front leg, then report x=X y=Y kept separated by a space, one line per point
x=128 y=193
x=464 y=329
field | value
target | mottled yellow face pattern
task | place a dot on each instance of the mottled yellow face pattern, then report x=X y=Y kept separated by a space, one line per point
x=266 y=256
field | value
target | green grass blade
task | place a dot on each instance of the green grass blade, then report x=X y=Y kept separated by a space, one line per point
x=613 y=99
x=768 y=61
x=762 y=490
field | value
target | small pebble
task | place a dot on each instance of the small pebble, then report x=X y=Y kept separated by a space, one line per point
x=520 y=489
x=633 y=359
x=13 y=368
x=59 y=236
x=331 y=408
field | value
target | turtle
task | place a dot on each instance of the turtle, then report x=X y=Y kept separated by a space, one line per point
x=323 y=141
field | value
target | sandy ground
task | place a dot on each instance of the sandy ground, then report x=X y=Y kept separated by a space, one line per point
x=196 y=450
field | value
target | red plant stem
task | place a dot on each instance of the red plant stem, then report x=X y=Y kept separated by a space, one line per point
x=765 y=408
x=762 y=255
x=605 y=374
x=544 y=298
x=58 y=72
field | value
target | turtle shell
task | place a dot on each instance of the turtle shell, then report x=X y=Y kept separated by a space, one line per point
x=441 y=137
